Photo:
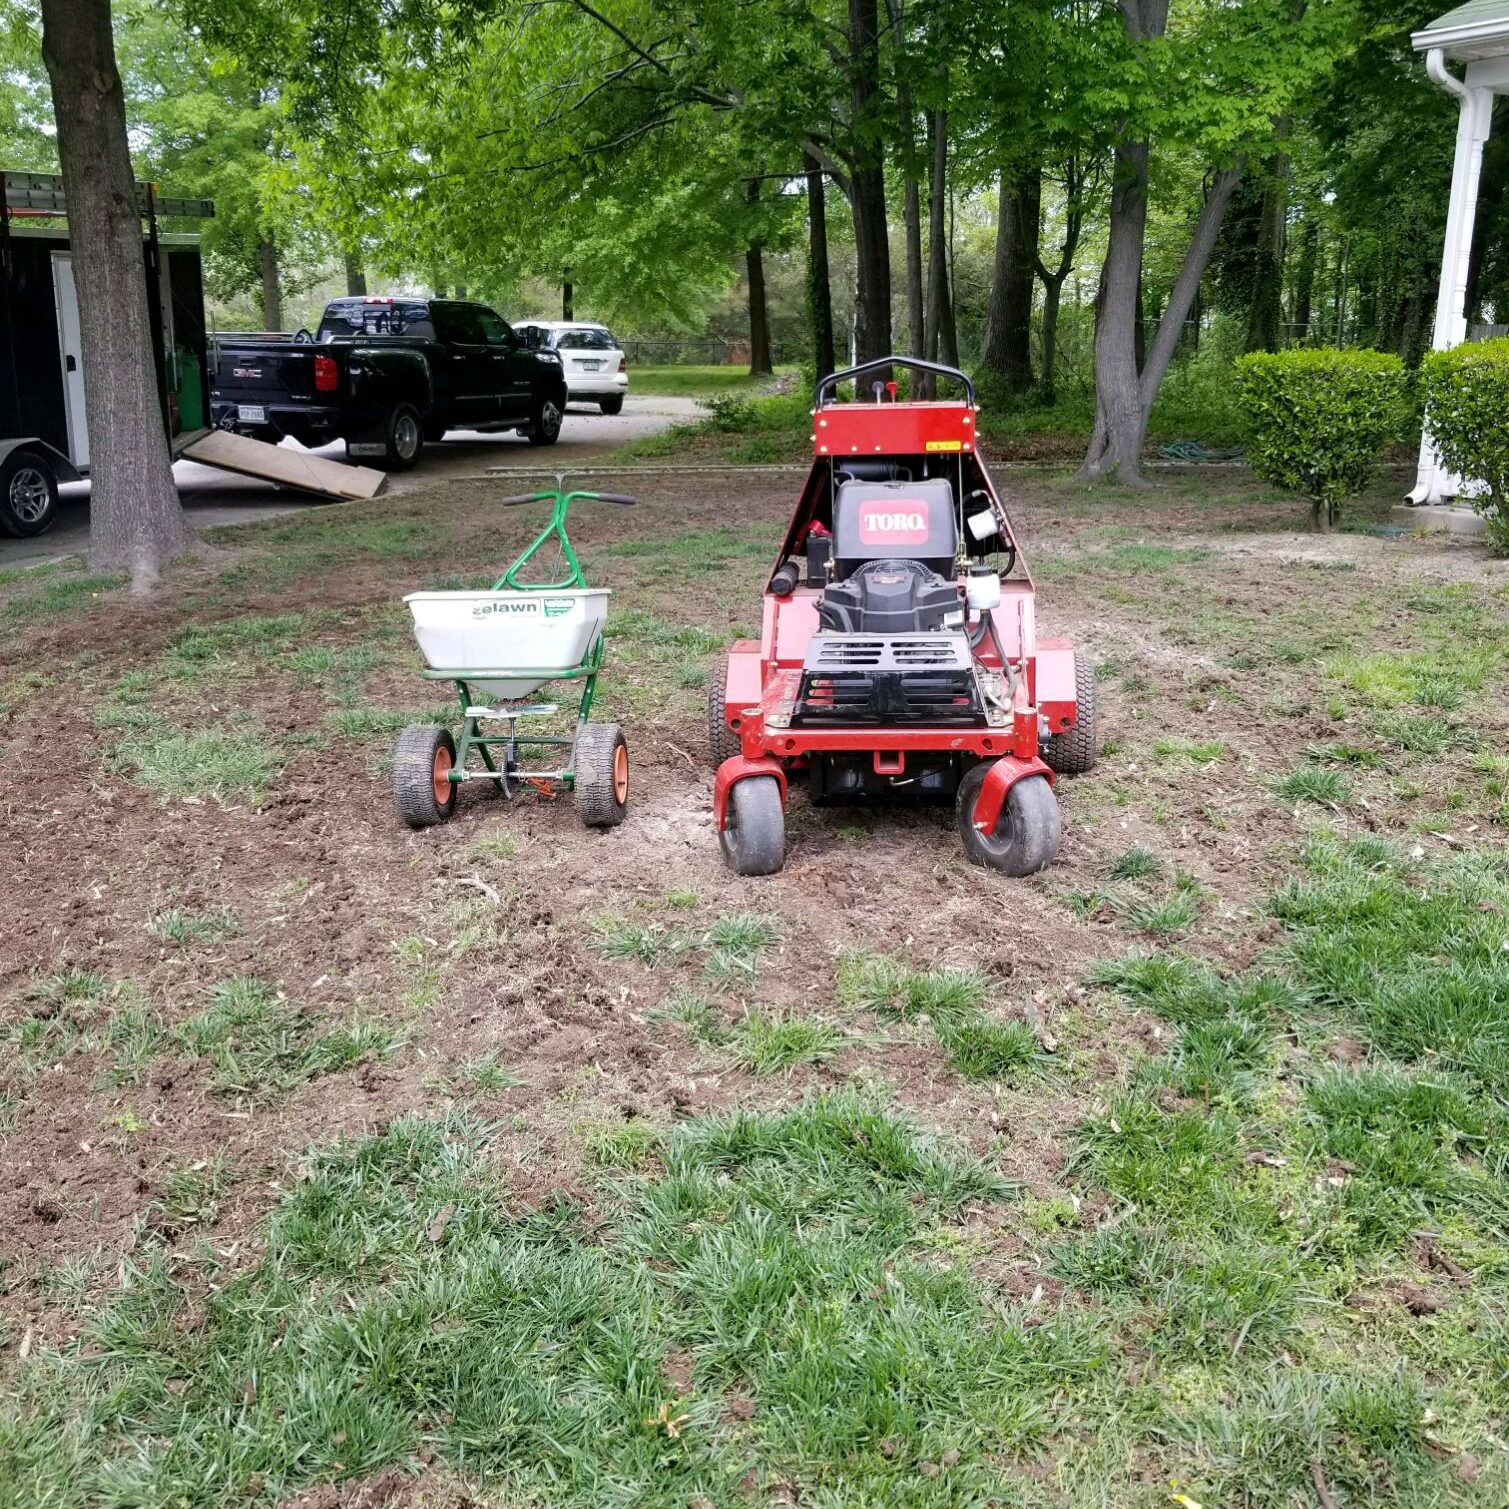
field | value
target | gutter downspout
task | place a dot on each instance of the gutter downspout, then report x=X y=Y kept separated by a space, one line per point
x=1433 y=482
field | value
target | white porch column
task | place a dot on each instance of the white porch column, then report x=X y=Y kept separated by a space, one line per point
x=1433 y=482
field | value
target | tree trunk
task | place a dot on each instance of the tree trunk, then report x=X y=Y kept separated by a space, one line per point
x=872 y=312
x=1265 y=312
x=1304 y=287
x=937 y=246
x=1008 y=319
x=1116 y=440
x=272 y=297
x=135 y=521
x=819 y=288
x=916 y=314
x=759 y=317
x=1053 y=291
x=356 y=279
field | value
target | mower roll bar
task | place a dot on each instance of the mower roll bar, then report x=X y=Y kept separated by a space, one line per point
x=827 y=386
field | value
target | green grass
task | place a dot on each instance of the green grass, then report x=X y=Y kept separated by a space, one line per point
x=58 y=596
x=178 y=926
x=870 y=982
x=768 y=1043
x=396 y=1309
x=694 y=381
x=1196 y=751
x=981 y=1048
x=644 y=942
x=1135 y=864
x=258 y=1045
x=217 y=762
x=1314 y=783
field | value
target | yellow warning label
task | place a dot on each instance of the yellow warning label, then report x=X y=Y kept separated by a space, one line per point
x=945 y=445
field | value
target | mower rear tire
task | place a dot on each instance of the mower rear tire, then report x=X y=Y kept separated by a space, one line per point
x=423 y=758
x=1027 y=834
x=1076 y=750
x=754 y=827
x=602 y=775
x=722 y=742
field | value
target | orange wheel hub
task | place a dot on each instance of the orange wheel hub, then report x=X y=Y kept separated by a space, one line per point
x=620 y=775
x=441 y=776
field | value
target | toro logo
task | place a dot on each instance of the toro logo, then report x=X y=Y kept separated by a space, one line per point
x=896 y=521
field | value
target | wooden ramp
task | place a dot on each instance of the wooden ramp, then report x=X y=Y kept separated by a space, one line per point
x=281 y=464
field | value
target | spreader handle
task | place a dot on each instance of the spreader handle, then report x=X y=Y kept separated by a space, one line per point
x=613 y=498
x=518 y=498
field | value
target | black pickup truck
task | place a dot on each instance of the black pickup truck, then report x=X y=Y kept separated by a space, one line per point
x=385 y=375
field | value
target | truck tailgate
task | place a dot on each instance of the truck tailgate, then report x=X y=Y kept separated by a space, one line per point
x=262 y=375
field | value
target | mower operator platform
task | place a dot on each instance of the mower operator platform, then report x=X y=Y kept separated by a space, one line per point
x=898 y=652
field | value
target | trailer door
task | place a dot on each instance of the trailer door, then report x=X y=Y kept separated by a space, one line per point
x=70 y=347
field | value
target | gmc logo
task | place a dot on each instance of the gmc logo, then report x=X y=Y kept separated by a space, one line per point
x=246 y=371
x=892 y=523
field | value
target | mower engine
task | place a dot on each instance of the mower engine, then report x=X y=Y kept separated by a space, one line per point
x=906 y=662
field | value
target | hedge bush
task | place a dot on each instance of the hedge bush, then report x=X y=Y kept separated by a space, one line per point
x=1466 y=393
x=1318 y=419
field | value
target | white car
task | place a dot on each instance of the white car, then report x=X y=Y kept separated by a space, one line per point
x=596 y=369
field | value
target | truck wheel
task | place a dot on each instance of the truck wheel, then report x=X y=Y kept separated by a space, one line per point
x=754 y=827
x=403 y=435
x=722 y=742
x=1028 y=831
x=613 y=405
x=545 y=421
x=28 y=493
x=1076 y=749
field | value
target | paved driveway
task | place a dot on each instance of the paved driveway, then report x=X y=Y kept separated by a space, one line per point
x=213 y=497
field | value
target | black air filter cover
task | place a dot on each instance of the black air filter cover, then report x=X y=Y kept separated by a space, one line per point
x=888 y=597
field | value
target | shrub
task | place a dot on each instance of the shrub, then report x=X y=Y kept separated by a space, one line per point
x=1319 y=418
x=1466 y=394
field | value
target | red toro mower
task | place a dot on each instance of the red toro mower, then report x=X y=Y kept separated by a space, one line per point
x=898 y=653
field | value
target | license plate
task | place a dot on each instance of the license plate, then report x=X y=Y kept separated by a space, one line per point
x=251 y=413
x=591 y=366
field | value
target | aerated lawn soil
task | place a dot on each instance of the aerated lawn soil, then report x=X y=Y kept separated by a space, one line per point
x=512 y=1163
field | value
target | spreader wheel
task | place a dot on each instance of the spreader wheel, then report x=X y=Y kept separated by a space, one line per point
x=422 y=788
x=754 y=827
x=602 y=775
x=1028 y=832
x=1076 y=749
x=722 y=742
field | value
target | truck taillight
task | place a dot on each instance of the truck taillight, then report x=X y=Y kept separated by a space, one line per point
x=327 y=375
x=623 y=364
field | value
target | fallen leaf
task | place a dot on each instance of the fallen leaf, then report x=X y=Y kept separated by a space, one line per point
x=438 y=1225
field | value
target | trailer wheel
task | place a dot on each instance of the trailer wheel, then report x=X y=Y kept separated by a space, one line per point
x=28 y=493
x=545 y=418
x=601 y=763
x=612 y=405
x=754 y=827
x=1076 y=749
x=402 y=437
x=1027 y=834
x=722 y=742
x=422 y=761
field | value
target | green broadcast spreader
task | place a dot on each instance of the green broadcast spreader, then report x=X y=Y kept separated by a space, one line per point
x=500 y=647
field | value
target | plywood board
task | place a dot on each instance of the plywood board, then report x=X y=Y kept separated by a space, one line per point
x=283 y=464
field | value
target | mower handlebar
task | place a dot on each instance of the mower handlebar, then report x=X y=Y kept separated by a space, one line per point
x=517 y=498
x=827 y=386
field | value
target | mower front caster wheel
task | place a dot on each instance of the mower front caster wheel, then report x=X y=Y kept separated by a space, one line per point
x=423 y=790
x=602 y=775
x=1028 y=832
x=754 y=827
